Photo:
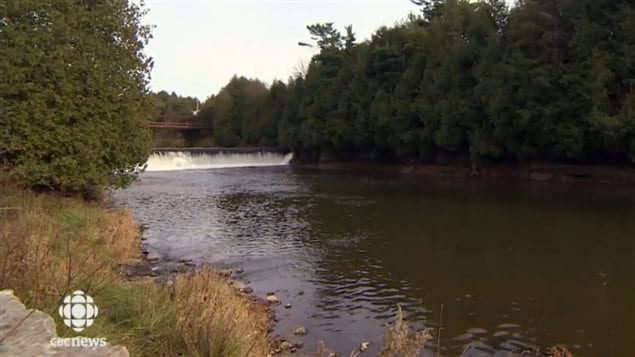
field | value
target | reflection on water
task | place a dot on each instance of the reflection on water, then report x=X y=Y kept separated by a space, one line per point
x=515 y=265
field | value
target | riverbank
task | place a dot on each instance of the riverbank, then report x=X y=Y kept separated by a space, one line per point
x=53 y=245
x=543 y=172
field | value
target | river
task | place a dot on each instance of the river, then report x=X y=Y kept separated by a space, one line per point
x=514 y=264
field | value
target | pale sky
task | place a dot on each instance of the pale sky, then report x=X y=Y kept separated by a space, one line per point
x=199 y=45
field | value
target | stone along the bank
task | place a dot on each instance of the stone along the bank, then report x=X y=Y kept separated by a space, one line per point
x=27 y=332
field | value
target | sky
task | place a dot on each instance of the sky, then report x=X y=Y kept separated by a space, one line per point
x=199 y=45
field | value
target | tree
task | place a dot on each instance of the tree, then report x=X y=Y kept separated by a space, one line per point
x=73 y=92
x=239 y=112
x=325 y=35
x=463 y=82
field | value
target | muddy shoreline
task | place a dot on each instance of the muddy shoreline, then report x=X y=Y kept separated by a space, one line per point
x=538 y=171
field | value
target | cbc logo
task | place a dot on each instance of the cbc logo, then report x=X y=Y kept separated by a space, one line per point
x=78 y=311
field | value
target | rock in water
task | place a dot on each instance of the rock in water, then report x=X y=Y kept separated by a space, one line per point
x=153 y=257
x=477 y=331
x=299 y=331
x=364 y=346
x=285 y=345
x=272 y=299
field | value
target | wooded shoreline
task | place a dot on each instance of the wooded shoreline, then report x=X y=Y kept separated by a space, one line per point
x=535 y=171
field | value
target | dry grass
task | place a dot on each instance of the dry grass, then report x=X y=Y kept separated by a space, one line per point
x=52 y=245
x=401 y=341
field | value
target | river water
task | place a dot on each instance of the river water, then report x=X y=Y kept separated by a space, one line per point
x=515 y=265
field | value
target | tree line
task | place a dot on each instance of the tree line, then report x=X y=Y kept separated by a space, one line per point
x=171 y=107
x=469 y=81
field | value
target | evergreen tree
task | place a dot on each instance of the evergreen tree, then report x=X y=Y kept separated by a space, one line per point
x=73 y=94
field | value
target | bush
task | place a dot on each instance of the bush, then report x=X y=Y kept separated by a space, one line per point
x=73 y=96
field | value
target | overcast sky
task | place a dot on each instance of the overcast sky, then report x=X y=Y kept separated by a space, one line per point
x=199 y=45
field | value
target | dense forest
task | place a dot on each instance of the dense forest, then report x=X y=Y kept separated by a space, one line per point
x=461 y=81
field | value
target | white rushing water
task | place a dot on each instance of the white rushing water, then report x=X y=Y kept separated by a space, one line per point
x=180 y=160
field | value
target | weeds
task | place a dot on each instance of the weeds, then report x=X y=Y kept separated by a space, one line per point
x=52 y=245
x=401 y=341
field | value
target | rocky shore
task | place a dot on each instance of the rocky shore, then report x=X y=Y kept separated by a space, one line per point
x=164 y=271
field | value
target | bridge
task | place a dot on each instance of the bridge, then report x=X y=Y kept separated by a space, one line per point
x=178 y=125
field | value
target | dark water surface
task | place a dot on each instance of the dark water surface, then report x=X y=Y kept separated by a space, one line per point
x=514 y=264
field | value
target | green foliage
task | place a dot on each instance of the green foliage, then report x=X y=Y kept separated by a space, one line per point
x=237 y=113
x=172 y=107
x=464 y=82
x=472 y=81
x=73 y=92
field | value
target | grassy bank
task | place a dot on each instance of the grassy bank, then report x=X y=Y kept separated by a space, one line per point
x=51 y=246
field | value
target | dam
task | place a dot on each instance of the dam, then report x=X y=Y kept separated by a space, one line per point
x=170 y=159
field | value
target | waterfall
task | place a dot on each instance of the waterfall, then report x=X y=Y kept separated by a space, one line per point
x=183 y=160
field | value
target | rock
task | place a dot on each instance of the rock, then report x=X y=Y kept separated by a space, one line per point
x=179 y=269
x=299 y=344
x=478 y=348
x=242 y=287
x=477 y=331
x=464 y=337
x=238 y=285
x=225 y=272
x=153 y=257
x=239 y=271
x=508 y=326
x=143 y=238
x=287 y=306
x=144 y=227
x=364 y=346
x=285 y=345
x=272 y=299
x=499 y=334
x=144 y=251
x=299 y=331
x=28 y=332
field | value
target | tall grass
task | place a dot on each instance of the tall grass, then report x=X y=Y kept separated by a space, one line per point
x=52 y=245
